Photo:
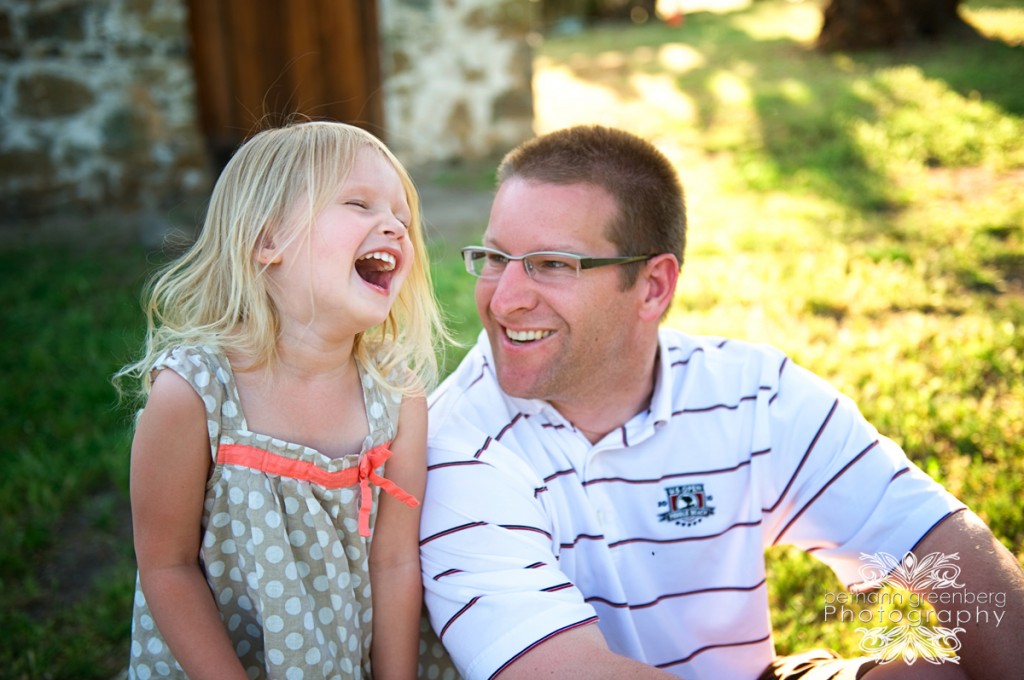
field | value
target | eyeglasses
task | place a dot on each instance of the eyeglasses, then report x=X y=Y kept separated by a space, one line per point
x=542 y=265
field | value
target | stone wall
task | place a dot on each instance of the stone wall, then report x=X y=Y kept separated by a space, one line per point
x=97 y=108
x=457 y=77
x=98 y=112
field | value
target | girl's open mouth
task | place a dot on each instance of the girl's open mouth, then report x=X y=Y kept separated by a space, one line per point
x=377 y=268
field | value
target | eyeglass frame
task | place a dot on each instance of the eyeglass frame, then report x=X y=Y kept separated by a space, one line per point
x=583 y=261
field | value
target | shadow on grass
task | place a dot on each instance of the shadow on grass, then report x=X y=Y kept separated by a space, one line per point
x=807 y=104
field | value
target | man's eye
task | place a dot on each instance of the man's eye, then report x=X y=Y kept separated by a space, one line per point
x=554 y=264
x=497 y=260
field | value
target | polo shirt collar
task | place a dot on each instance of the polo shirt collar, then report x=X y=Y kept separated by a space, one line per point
x=659 y=412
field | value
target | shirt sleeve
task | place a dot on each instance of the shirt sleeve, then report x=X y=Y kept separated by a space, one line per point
x=838 y=489
x=492 y=583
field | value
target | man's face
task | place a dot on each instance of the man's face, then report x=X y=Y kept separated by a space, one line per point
x=556 y=341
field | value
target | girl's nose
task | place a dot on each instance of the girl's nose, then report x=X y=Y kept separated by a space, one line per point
x=394 y=227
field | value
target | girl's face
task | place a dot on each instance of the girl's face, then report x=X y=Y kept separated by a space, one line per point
x=345 y=276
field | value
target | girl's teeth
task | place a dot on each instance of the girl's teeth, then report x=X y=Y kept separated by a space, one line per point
x=387 y=258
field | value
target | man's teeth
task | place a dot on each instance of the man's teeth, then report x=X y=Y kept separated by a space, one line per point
x=386 y=258
x=526 y=336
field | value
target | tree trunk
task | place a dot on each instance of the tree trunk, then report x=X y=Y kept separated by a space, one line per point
x=862 y=24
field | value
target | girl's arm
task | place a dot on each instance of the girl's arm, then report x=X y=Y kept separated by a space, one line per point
x=169 y=467
x=394 y=552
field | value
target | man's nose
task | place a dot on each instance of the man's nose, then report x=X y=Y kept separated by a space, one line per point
x=514 y=289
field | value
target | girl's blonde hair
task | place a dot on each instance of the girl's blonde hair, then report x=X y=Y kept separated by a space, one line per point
x=216 y=294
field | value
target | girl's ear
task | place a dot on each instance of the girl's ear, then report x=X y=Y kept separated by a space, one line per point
x=268 y=252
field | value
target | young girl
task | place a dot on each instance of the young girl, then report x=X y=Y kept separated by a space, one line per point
x=286 y=360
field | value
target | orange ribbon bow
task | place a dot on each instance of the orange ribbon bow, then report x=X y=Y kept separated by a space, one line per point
x=361 y=474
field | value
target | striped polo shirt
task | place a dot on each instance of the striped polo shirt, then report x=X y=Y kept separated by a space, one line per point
x=657 y=532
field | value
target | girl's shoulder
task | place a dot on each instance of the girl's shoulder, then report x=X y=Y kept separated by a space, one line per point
x=202 y=366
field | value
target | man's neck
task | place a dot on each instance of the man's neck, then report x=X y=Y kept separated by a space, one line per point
x=608 y=412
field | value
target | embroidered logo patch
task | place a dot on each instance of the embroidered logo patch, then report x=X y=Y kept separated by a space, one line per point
x=687 y=505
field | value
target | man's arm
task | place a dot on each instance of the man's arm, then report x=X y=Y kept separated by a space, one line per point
x=989 y=650
x=578 y=653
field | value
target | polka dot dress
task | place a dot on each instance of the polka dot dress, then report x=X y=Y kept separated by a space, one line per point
x=281 y=552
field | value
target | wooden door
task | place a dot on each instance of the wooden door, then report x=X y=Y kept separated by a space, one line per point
x=258 y=61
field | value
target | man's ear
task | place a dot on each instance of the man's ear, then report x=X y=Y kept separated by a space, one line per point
x=267 y=253
x=658 y=280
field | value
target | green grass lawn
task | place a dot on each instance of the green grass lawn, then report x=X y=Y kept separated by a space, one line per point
x=863 y=212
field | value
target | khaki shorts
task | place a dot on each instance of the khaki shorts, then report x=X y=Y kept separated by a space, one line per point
x=817 y=664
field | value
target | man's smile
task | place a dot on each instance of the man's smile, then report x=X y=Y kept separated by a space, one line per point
x=523 y=336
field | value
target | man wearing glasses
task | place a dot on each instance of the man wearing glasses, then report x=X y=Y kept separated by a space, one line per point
x=601 y=490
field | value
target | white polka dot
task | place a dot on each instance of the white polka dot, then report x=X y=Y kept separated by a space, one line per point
x=229 y=409
x=244 y=603
x=293 y=606
x=210 y=403
x=352 y=552
x=325 y=615
x=233 y=622
x=321 y=583
x=221 y=519
x=313 y=656
x=257 y=536
x=337 y=550
x=291 y=572
x=162 y=669
x=351 y=525
x=254 y=631
x=228 y=547
x=307 y=621
x=316 y=552
x=256 y=500
x=243 y=648
x=215 y=569
x=227 y=594
x=202 y=379
x=376 y=410
x=154 y=646
x=291 y=506
x=297 y=538
x=272 y=519
x=235 y=575
x=347 y=496
x=274 y=623
x=146 y=621
x=274 y=589
x=275 y=656
x=294 y=673
x=274 y=554
x=142 y=672
x=294 y=641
